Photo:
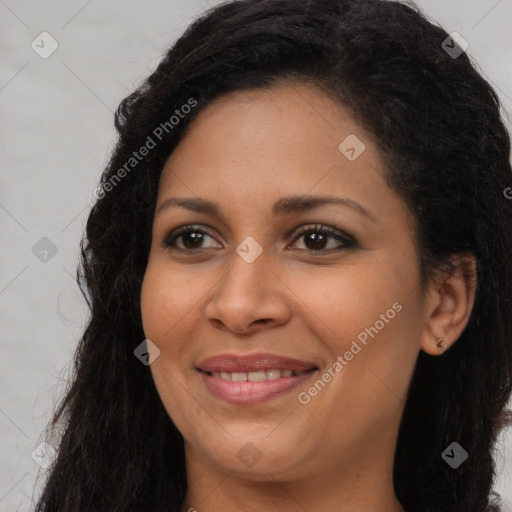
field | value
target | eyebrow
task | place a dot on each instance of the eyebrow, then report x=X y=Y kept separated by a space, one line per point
x=284 y=206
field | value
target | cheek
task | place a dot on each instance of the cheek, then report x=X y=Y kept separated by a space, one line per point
x=155 y=307
x=167 y=296
x=368 y=313
x=164 y=308
x=344 y=301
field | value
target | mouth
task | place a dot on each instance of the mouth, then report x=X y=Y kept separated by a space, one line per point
x=252 y=363
x=257 y=376
x=238 y=388
x=245 y=380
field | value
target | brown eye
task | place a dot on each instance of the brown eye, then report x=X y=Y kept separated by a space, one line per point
x=318 y=238
x=188 y=238
x=314 y=240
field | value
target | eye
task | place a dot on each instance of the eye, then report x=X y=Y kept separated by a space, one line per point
x=188 y=238
x=317 y=238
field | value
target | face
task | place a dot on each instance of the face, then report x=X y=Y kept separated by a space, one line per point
x=287 y=329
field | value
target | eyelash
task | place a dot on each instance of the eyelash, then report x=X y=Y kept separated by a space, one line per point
x=347 y=241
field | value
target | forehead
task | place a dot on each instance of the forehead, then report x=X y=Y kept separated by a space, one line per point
x=251 y=148
x=271 y=134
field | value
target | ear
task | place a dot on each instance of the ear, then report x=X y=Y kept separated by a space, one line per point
x=450 y=300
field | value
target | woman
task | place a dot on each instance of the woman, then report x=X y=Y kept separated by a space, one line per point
x=300 y=275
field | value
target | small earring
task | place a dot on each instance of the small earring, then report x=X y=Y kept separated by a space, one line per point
x=438 y=343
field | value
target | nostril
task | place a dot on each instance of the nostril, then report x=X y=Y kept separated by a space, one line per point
x=264 y=320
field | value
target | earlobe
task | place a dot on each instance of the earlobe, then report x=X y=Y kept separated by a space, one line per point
x=450 y=302
x=439 y=345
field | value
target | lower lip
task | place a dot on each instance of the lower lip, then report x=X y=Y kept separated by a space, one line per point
x=246 y=393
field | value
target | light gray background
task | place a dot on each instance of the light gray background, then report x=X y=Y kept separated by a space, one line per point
x=57 y=132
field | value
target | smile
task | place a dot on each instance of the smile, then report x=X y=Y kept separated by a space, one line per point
x=247 y=392
x=259 y=376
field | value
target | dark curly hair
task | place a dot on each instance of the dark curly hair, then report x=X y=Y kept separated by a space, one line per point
x=437 y=124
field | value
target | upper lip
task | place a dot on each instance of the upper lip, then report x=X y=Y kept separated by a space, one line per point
x=250 y=363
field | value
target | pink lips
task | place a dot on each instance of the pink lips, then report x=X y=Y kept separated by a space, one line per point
x=247 y=392
x=251 y=363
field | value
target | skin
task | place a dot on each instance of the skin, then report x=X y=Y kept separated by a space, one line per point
x=245 y=151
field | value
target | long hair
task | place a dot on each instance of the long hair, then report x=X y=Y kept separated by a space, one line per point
x=436 y=122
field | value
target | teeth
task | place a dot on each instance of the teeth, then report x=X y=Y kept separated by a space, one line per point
x=258 y=376
x=273 y=374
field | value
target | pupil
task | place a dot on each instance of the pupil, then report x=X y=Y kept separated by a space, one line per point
x=194 y=237
x=318 y=240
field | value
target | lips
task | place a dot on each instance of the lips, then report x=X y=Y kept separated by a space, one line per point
x=231 y=363
x=246 y=380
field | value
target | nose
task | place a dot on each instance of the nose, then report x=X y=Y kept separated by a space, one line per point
x=250 y=297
